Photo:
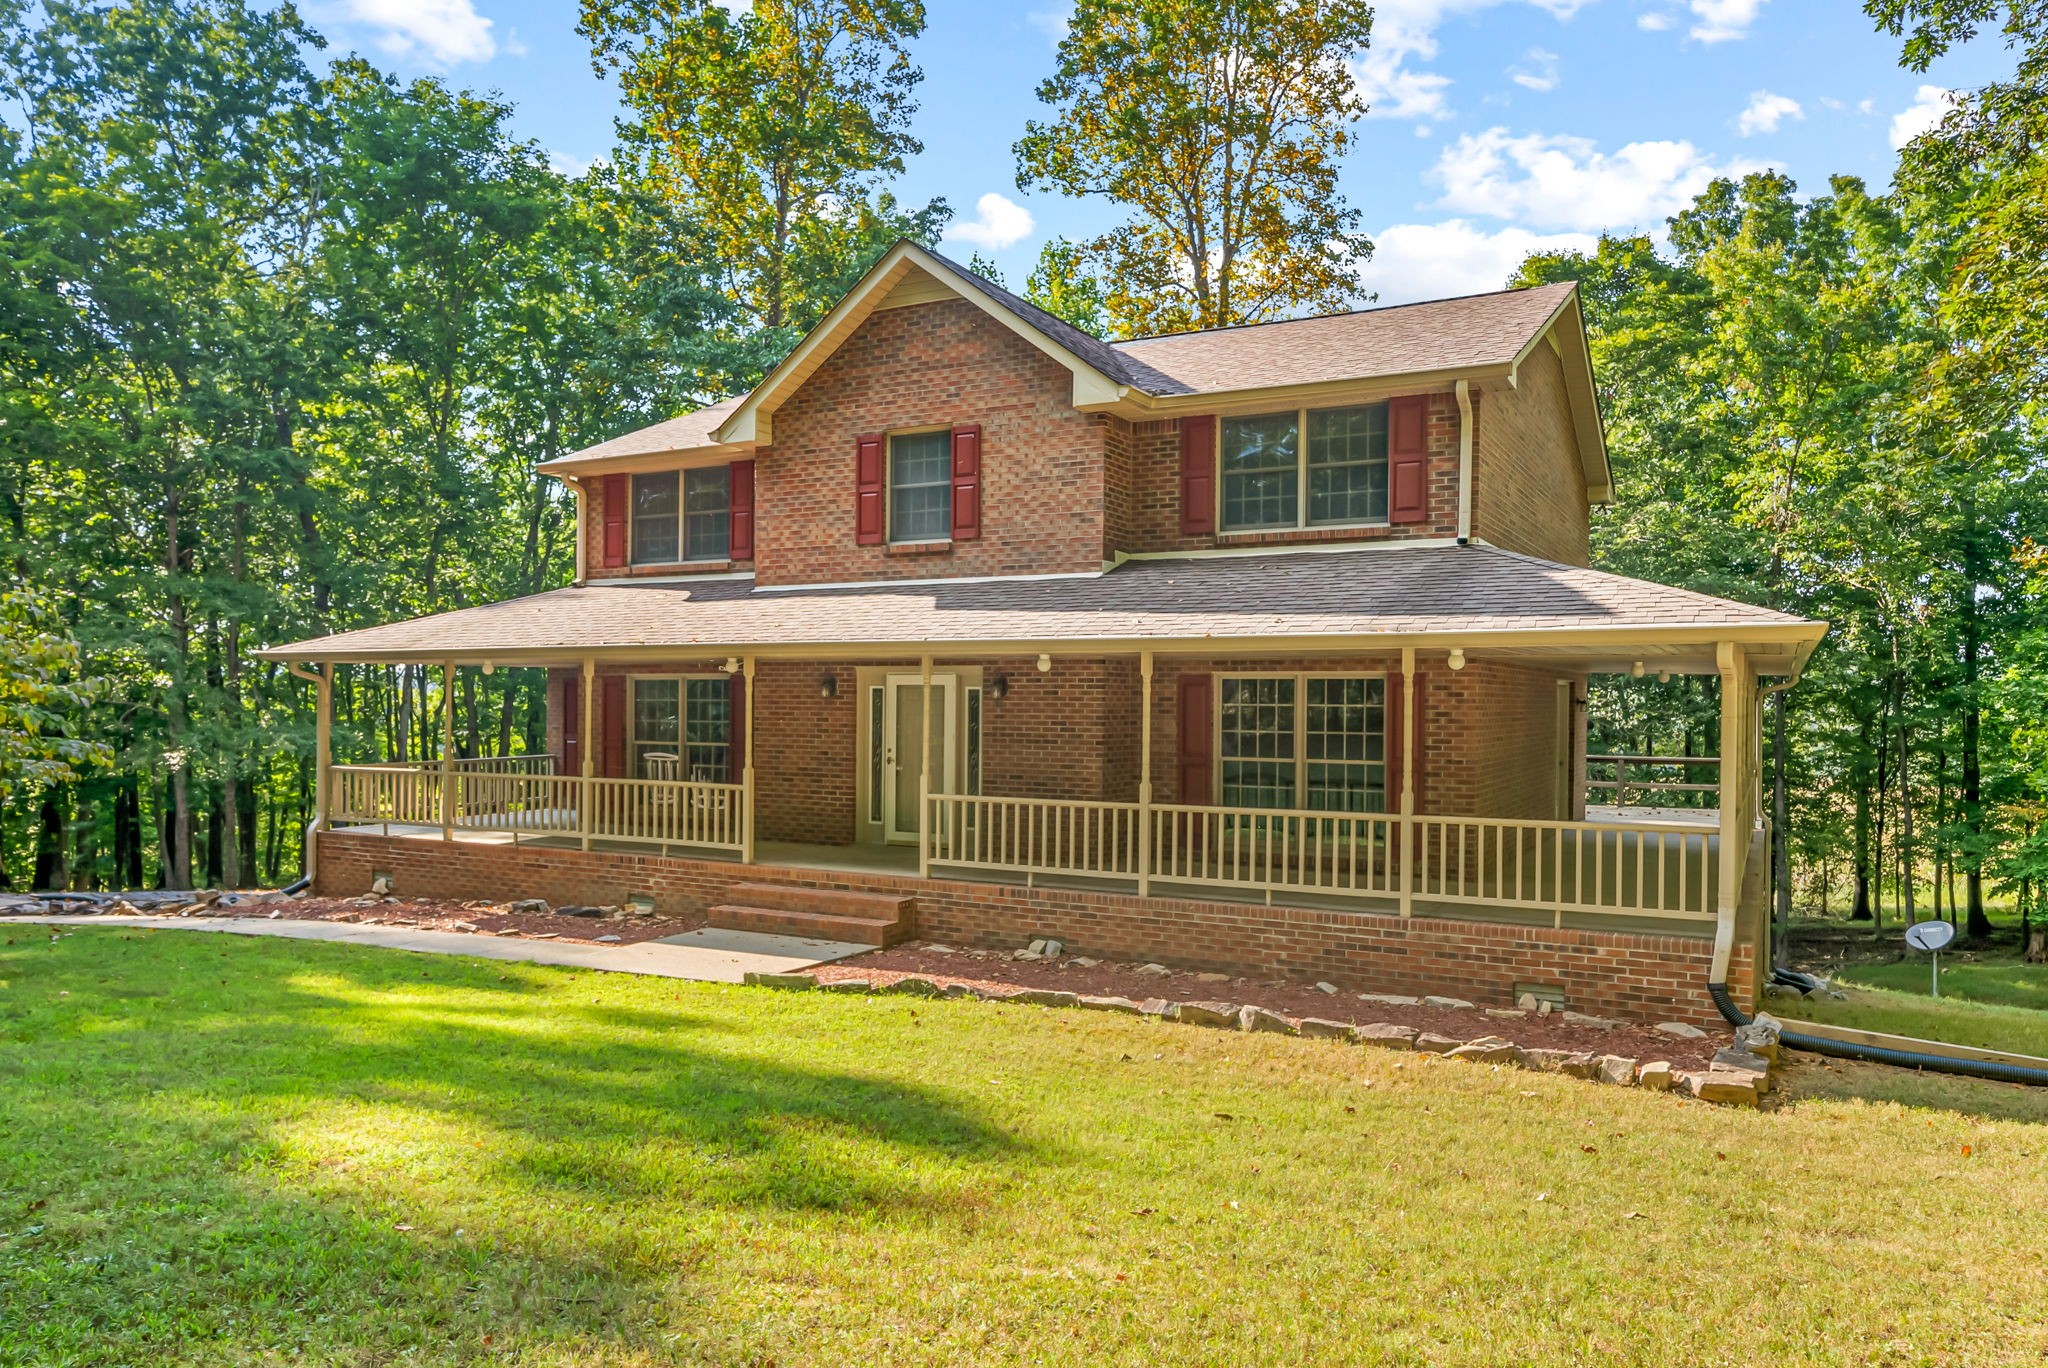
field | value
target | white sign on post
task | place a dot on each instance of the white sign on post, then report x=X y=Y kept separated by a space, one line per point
x=1931 y=936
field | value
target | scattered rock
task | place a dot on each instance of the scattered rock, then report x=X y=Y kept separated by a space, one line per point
x=1529 y=1002
x=1163 y=1008
x=1735 y=1059
x=1322 y=987
x=608 y=940
x=957 y=990
x=1386 y=1035
x=1656 y=1076
x=1212 y=978
x=1319 y=1028
x=1429 y=1042
x=1449 y=1003
x=1259 y=1019
x=380 y=885
x=527 y=907
x=502 y=931
x=800 y=982
x=1097 y=1003
x=1046 y=997
x=1507 y=1013
x=1390 y=999
x=1545 y=1060
x=1616 y=1070
x=462 y=926
x=847 y=986
x=1760 y=1037
x=1027 y=956
x=1679 y=1029
x=915 y=985
x=1154 y=969
x=1221 y=1014
x=1597 y=1023
x=1580 y=1064
x=1083 y=962
x=1727 y=1087
x=1490 y=1050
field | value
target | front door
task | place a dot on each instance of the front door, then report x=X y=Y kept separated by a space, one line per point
x=903 y=748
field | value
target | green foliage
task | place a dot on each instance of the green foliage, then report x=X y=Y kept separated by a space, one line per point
x=1063 y=286
x=43 y=701
x=1218 y=129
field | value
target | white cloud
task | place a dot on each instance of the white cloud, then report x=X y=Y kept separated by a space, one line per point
x=997 y=223
x=1538 y=71
x=443 y=32
x=1413 y=261
x=1719 y=21
x=1765 y=112
x=1653 y=22
x=1931 y=104
x=1556 y=181
x=1389 y=75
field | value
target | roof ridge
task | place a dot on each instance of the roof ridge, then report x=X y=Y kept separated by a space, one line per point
x=1123 y=342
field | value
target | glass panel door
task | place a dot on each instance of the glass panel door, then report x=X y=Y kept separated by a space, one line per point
x=903 y=749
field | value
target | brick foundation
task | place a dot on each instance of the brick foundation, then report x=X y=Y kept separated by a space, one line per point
x=1636 y=976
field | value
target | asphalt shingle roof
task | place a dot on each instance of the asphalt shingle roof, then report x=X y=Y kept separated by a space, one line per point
x=1384 y=592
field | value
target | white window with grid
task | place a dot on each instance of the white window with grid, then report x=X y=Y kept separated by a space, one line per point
x=1303 y=741
x=1271 y=478
x=688 y=718
x=921 y=487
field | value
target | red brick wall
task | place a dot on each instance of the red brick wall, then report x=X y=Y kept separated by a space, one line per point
x=1643 y=977
x=1528 y=484
x=1155 y=467
x=924 y=365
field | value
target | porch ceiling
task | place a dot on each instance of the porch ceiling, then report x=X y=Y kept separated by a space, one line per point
x=1484 y=600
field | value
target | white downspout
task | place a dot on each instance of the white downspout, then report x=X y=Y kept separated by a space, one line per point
x=1464 y=462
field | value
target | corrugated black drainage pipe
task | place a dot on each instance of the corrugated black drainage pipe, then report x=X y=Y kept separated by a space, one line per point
x=1878 y=1054
x=299 y=887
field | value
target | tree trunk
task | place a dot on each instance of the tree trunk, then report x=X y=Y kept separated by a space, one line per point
x=1978 y=926
x=50 y=874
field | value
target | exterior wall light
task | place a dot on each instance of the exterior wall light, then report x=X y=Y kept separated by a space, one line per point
x=490 y=667
x=1457 y=661
x=999 y=687
x=828 y=686
x=732 y=664
x=1637 y=672
x=1045 y=664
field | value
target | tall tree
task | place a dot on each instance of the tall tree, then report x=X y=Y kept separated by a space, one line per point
x=774 y=124
x=1217 y=125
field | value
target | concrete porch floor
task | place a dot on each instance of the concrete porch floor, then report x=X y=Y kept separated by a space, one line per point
x=902 y=860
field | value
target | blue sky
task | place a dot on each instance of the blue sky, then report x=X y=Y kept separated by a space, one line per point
x=1497 y=126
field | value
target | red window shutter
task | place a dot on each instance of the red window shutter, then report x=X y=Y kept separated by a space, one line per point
x=736 y=738
x=614 y=496
x=967 y=482
x=1407 y=459
x=867 y=491
x=572 y=726
x=740 y=542
x=1195 y=733
x=611 y=726
x=1197 y=476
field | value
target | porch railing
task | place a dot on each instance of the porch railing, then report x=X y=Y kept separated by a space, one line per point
x=385 y=793
x=1663 y=780
x=527 y=799
x=1654 y=870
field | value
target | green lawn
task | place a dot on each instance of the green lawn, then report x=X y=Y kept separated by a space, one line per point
x=2023 y=1030
x=2000 y=982
x=216 y=1150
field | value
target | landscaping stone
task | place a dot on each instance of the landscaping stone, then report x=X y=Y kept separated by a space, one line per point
x=1322 y=987
x=957 y=990
x=1386 y=1035
x=1760 y=1037
x=1490 y=1050
x=1545 y=1060
x=609 y=940
x=915 y=985
x=1617 y=1070
x=1656 y=1076
x=1735 y=1059
x=1429 y=1042
x=1027 y=956
x=1506 y=1013
x=1212 y=978
x=1046 y=997
x=1723 y=1086
x=1222 y=1014
x=847 y=986
x=762 y=979
x=1163 y=1008
x=452 y=926
x=1680 y=1029
x=379 y=885
x=1319 y=1028
x=1449 y=1003
x=1096 y=1003
x=1390 y=999
x=1259 y=1019
x=527 y=907
x=1580 y=1064
x=1153 y=969
x=1529 y=1002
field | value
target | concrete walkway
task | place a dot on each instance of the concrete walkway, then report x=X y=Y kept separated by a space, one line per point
x=708 y=955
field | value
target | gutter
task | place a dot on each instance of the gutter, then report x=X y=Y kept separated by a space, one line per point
x=1464 y=392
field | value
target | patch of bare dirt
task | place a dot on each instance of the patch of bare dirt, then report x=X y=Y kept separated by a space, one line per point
x=994 y=969
x=478 y=918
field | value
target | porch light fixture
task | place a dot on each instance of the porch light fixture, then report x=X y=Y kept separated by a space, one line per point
x=1457 y=660
x=828 y=686
x=999 y=687
x=732 y=664
x=1663 y=676
x=490 y=667
x=1045 y=664
x=1637 y=671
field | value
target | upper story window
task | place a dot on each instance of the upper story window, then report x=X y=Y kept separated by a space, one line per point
x=1273 y=479
x=682 y=516
x=920 y=487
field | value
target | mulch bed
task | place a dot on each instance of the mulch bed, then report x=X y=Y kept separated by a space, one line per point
x=993 y=969
x=433 y=914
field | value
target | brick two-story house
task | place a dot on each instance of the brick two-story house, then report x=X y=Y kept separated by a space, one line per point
x=1255 y=648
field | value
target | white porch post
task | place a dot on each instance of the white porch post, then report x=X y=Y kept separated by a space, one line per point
x=1144 y=773
x=1734 y=785
x=747 y=771
x=583 y=792
x=447 y=750
x=924 y=770
x=322 y=678
x=1406 y=825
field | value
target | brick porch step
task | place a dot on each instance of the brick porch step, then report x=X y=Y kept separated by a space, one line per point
x=822 y=913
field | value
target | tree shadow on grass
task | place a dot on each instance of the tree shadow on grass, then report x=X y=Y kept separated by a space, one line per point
x=324 y=1149
x=1810 y=1078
